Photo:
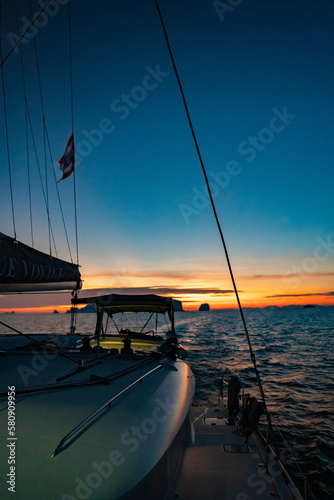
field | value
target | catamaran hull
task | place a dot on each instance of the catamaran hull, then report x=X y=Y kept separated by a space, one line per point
x=115 y=451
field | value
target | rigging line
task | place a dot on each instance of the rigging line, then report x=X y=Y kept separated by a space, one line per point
x=47 y=140
x=20 y=53
x=44 y=142
x=28 y=162
x=296 y=463
x=71 y=66
x=58 y=194
x=35 y=341
x=28 y=171
x=7 y=137
x=26 y=129
x=24 y=34
x=84 y=382
x=40 y=175
x=38 y=71
x=252 y=355
x=72 y=118
x=47 y=184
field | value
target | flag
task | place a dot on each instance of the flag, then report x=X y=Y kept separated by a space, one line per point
x=66 y=162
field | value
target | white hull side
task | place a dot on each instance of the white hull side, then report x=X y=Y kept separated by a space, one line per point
x=115 y=451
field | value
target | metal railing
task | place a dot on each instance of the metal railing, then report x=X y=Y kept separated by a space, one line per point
x=224 y=383
x=265 y=436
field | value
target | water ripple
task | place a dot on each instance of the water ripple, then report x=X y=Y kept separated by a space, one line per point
x=294 y=352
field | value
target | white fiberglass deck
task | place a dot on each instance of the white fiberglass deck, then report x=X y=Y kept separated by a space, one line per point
x=87 y=426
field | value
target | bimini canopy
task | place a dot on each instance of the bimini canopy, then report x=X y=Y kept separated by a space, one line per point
x=116 y=303
x=24 y=269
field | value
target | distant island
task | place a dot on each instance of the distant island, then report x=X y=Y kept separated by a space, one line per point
x=309 y=306
x=90 y=308
x=177 y=305
x=55 y=312
x=204 y=307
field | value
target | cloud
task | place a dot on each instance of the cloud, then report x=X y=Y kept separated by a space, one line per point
x=325 y=294
x=157 y=290
x=54 y=300
x=184 y=274
x=290 y=275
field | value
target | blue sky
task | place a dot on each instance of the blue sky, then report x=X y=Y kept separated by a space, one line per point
x=258 y=79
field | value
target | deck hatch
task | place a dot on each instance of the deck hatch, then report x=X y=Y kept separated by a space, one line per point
x=214 y=421
x=237 y=448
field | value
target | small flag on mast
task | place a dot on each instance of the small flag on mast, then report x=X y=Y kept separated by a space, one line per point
x=66 y=162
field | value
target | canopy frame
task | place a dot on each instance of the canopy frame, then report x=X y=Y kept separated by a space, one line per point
x=119 y=303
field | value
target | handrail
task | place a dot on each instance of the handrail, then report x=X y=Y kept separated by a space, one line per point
x=265 y=437
x=221 y=388
x=266 y=412
x=222 y=381
x=305 y=480
x=60 y=446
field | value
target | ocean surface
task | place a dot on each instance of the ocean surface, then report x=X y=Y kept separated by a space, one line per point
x=294 y=351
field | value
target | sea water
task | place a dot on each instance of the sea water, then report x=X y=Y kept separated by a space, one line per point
x=293 y=348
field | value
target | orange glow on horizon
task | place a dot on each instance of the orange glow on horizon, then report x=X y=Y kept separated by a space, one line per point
x=193 y=289
x=279 y=302
x=44 y=309
x=192 y=303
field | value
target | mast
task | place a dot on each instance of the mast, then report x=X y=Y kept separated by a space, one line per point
x=22 y=268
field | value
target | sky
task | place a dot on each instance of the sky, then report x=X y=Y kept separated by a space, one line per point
x=258 y=80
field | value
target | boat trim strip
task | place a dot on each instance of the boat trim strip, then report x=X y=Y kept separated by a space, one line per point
x=75 y=434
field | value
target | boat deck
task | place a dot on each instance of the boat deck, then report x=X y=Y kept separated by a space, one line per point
x=221 y=465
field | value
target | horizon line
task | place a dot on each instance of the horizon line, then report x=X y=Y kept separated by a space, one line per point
x=41 y=310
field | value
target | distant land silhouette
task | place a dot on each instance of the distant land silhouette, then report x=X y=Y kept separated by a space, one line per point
x=177 y=305
x=90 y=308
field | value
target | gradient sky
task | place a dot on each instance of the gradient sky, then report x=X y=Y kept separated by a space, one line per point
x=258 y=79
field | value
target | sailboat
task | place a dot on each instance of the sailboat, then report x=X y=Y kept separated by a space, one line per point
x=104 y=416
x=111 y=416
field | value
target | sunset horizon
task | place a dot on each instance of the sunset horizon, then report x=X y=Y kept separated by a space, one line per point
x=143 y=220
x=166 y=249
x=190 y=301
